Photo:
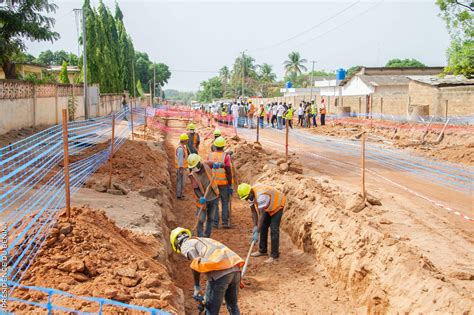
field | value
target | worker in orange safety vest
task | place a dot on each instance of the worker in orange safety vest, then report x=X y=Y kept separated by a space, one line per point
x=266 y=204
x=220 y=265
x=222 y=170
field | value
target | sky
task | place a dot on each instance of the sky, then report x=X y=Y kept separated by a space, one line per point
x=195 y=38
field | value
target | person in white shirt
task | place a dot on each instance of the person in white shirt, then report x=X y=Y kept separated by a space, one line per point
x=235 y=114
x=280 y=112
x=300 y=115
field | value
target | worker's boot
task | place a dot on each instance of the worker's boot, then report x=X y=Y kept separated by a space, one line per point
x=258 y=254
x=270 y=260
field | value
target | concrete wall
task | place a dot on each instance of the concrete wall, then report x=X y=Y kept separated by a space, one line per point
x=24 y=104
x=450 y=100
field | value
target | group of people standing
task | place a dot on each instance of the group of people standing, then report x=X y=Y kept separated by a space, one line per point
x=308 y=113
x=212 y=180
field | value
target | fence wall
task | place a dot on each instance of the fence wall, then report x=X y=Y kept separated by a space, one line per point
x=25 y=104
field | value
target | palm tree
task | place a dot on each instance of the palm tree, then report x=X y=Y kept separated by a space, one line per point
x=224 y=75
x=265 y=77
x=294 y=64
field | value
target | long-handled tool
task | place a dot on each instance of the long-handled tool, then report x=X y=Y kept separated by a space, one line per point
x=201 y=209
x=246 y=264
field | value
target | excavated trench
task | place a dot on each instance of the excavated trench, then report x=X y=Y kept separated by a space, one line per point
x=380 y=271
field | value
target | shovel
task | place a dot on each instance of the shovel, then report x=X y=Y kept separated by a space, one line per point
x=201 y=209
x=246 y=264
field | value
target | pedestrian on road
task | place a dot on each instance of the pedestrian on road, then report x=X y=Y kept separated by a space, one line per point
x=314 y=113
x=274 y=114
x=222 y=172
x=300 y=115
x=201 y=177
x=266 y=204
x=250 y=114
x=280 y=111
x=322 y=112
x=289 y=116
x=220 y=265
x=194 y=139
x=235 y=114
x=261 y=115
x=181 y=164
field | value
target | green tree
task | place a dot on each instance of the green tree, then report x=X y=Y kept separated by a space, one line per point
x=404 y=63
x=211 y=89
x=140 y=91
x=46 y=58
x=63 y=77
x=244 y=68
x=23 y=20
x=294 y=64
x=459 y=18
x=224 y=75
x=266 y=77
x=353 y=70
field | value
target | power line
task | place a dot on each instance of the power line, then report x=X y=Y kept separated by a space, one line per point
x=307 y=30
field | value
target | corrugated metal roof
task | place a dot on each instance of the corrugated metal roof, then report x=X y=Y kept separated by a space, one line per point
x=380 y=80
x=449 y=80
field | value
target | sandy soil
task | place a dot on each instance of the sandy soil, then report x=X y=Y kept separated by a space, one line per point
x=297 y=284
x=16 y=135
x=403 y=256
x=457 y=144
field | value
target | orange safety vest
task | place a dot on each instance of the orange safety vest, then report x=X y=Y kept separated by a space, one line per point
x=277 y=199
x=201 y=186
x=185 y=156
x=217 y=257
x=194 y=137
x=219 y=173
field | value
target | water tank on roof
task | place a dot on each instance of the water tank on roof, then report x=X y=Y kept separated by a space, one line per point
x=289 y=85
x=340 y=74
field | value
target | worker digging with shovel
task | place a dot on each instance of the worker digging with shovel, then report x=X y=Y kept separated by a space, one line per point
x=207 y=193
x=220 y=265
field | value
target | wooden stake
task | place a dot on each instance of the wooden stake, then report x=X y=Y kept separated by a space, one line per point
x=131 y=121
x=112 y=152
x=66 y=165
x=286 y=142
x=362 y=161
x=381 y=107
x=258 y=127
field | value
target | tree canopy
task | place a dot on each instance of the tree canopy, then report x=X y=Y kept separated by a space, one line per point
x=295 y=64
x=24 y=20
x=459 y=17
x=402 y=63
x=57 y=58
x=63 y=77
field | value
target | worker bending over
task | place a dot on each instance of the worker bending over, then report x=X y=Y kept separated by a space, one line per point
x=270 y=203
x=220 y=265
x=181 y=164
x=194 y=139
x=201 y=178
x=222 y=170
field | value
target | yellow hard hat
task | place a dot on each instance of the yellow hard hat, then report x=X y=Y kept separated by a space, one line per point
x=217 y=132
x=219 y=142
x=191 y=126
x=244 y=190
x=250 y=101
x=193 y=160
x=183 y=137
x=176 y=237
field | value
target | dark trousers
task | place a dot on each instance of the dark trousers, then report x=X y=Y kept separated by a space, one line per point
x=314 y=120
x=260 y=121
x=226 y=287
x=323 y=119
x=274 y=118
x=272 y=222
x=207 y=215
x=290 y=123
x=300 y=120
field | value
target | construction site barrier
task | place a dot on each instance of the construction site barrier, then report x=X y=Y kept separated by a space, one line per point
x=102 y=304
x=32 y=188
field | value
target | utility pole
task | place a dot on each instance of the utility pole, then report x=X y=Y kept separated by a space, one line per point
x=84 y=64
x=243 y=74
x=311 y=84
x=154 y=83
x=134 y=82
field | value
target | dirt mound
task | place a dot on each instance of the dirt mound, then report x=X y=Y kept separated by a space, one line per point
x=136 y=167
x=379 y=269
x=91 y=256
x=457 y=145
